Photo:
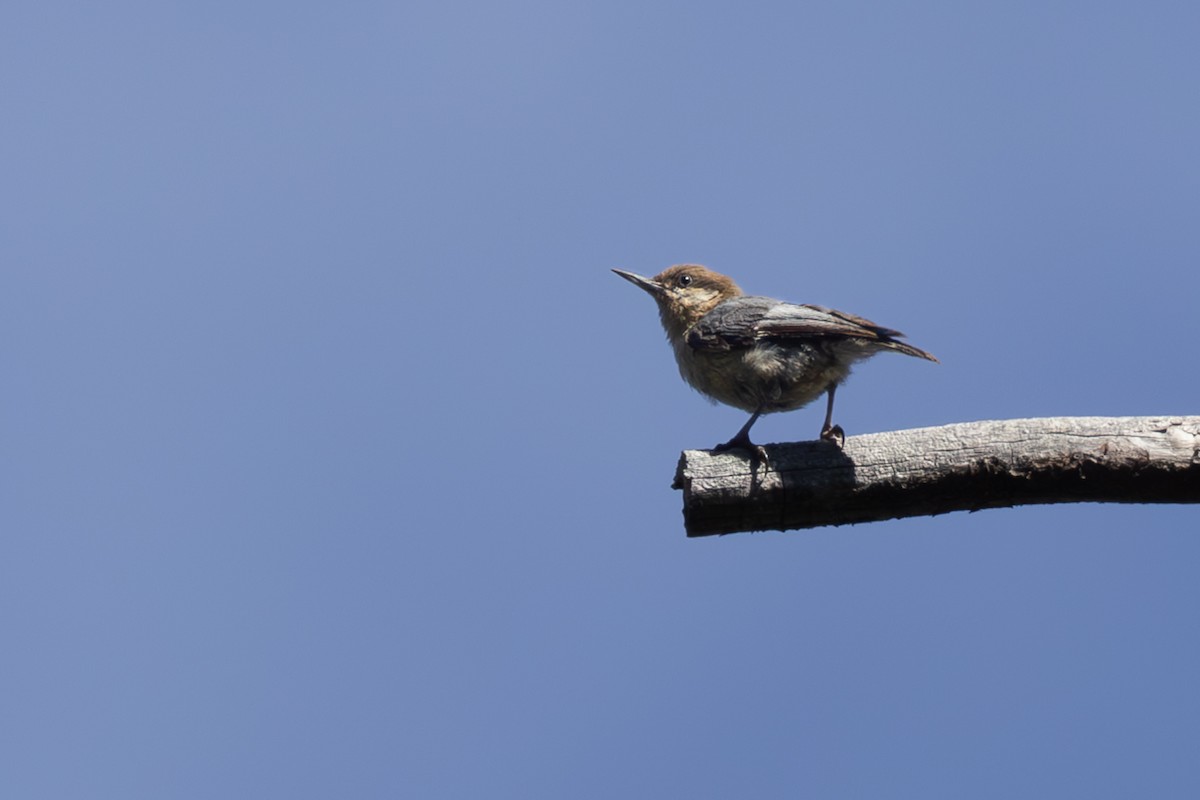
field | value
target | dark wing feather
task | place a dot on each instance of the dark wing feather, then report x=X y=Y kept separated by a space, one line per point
x=786 y=320
x=731 y=324
x=742 y=321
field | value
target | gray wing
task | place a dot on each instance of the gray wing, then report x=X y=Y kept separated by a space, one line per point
x=731 y=324
x=787 y=320
x=742 y=321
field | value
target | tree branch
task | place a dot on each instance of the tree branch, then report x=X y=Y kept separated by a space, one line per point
x=963 y=467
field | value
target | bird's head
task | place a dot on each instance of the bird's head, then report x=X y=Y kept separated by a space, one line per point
x=684 y=293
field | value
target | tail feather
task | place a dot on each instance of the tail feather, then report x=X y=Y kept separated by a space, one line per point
x=906 y=348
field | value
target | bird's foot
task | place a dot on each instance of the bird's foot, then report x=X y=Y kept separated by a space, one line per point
x=757 y=451
x=835 y=434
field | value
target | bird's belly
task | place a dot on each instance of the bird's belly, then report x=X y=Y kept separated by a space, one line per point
x=766 y=378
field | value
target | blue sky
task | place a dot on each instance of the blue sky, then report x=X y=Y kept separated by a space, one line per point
x=337 y=462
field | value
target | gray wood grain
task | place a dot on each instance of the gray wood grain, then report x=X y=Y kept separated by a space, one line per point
x=961 y=467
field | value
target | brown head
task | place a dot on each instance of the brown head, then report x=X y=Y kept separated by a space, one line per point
x=684 y=293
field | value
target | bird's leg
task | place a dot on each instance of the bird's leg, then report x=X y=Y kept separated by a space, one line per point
x=829 y=431
x=741 y=440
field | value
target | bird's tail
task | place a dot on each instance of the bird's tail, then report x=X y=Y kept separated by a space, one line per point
x=906 y=348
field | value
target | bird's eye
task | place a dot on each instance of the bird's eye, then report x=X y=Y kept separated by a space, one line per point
x=684 y=281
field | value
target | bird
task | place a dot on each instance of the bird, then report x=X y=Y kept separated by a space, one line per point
x=760 y=354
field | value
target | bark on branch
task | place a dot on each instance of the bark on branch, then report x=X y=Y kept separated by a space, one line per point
x=963 y=467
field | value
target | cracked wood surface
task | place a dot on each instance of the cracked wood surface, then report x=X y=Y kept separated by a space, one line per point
x=962 y=467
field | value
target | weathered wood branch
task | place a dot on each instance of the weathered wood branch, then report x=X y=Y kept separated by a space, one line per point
x=963 y=467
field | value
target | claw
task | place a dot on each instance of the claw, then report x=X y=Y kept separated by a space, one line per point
x=758 y=453
x=835 y=434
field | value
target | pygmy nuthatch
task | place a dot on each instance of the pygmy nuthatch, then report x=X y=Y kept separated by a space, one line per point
x=756 y=353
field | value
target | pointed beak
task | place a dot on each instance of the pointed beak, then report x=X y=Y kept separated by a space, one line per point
x=653 y=288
